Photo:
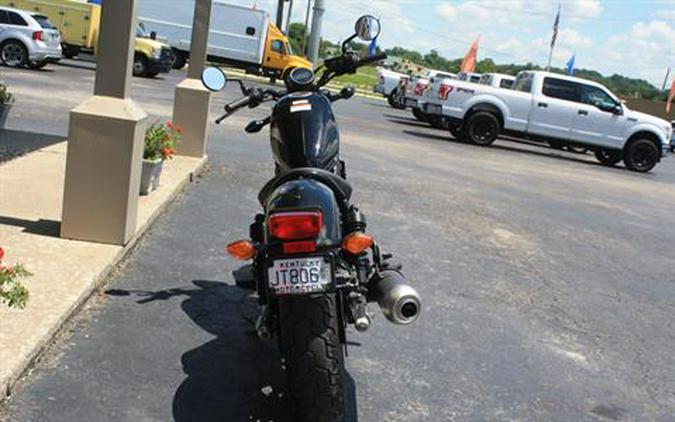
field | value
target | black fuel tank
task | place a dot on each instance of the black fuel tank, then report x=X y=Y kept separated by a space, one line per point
x=304 y=132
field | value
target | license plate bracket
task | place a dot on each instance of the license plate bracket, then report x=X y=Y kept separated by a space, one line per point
x=300 y=276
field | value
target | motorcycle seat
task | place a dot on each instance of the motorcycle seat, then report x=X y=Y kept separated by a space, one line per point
x=337 y=184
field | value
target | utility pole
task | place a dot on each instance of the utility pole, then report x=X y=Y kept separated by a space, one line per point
x=288 y=15
x=315 y=35
x=280 y=14
x=304 y=34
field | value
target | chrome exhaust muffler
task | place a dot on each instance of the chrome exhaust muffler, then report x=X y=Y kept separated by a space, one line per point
x=400 y=303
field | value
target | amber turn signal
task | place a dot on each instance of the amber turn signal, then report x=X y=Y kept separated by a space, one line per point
x=357 y=242
x=241 y=249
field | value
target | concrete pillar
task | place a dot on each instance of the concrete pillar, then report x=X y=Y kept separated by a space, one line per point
x=105 y=140
x=192 y=101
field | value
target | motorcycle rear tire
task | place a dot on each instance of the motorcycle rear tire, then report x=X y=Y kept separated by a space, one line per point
x=310 y=345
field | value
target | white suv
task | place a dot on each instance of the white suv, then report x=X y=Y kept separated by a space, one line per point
x=27 y=39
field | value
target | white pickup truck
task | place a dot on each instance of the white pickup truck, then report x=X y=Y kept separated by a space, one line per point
x=555 y=108
x=414 y=90
x=388 y=83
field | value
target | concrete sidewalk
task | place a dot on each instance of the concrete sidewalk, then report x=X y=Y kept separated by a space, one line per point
x=65 y=271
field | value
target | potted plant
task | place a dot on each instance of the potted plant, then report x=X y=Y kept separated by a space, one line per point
x=12 y=292
x=160 y=145
x=6 y=101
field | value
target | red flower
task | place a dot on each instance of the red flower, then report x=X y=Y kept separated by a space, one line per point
x=2 y=253
x=169 y=124
x=179 y=129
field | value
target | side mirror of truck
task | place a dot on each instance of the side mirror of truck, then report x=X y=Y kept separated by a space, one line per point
x=214 y=79
x=153 y=35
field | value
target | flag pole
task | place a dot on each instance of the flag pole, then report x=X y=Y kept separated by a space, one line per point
x=553 y=38
x=665 y=80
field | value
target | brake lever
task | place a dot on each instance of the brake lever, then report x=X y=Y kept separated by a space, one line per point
x=221 y=118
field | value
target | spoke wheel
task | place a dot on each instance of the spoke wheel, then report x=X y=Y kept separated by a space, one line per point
x=483 y=128
x=13 y=54
x=641 y=155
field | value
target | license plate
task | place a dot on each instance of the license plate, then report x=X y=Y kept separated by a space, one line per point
x=434 y=109
x=410 y=103
x=299 y=276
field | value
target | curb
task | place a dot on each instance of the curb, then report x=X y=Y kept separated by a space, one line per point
x=33 y=356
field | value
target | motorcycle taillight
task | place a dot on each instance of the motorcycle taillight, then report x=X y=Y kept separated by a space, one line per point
x=295 y=225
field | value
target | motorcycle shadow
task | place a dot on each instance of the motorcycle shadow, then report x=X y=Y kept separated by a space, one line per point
x=235 y=376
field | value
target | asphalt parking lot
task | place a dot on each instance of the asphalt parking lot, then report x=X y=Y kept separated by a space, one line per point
x=548 y=282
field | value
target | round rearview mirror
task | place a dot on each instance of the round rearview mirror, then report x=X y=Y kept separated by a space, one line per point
x=367 y=27
x=214 y=79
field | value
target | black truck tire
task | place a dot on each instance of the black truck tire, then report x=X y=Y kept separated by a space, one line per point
x=641 y=155
x=482 y=128
x=140 y=65
x=394 y=100
x=310 y=344
x=607 y=157
x=180 y=60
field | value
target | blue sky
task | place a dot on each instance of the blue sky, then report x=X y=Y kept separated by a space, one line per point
x=635 y=38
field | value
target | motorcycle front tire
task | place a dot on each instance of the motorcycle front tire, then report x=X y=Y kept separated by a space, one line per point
x=313 y=356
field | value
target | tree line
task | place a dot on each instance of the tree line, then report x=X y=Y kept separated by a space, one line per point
x=622 y=86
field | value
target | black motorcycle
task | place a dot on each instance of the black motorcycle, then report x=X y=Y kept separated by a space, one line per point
x=314 y=268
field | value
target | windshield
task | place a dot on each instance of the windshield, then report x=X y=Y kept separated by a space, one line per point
x=141 y=33
x=44 y=22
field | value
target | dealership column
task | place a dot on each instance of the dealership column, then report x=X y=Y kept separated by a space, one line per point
x=105 y=140
x=192 y=101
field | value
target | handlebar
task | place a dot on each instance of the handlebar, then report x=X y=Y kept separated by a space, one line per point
x=371 y=59
x=235 y=105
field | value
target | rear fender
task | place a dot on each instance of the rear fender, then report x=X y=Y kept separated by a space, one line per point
x=305 y=194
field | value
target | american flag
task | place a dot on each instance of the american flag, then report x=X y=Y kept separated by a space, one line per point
x=555 y=28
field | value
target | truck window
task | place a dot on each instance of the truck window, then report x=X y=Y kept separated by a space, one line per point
x=475 y=78
x=16 y=19
x=506 y=83
x=523 y=83
x=4 y=18
x=592 y=95
x=485 y=80
x=562 y=89
x=44 y=22
x=278 y=46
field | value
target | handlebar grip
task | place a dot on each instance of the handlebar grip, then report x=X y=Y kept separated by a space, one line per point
x=235 y=105
x=371 y=59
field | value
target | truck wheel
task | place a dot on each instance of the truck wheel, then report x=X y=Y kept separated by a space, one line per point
x=608 y=157
x=70 y=51
x=140 y=65
x=457 y=132
x=13 y=54
x=180 y=61
x=641 y=155
x=310 y=345
x=482 y=128
x=395 y=101
x=420 y=115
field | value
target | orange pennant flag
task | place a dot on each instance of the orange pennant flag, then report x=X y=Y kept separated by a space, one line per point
x=469 y=62
x=671 y=96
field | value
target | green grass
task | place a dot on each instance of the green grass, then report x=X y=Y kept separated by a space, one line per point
x=365 y=78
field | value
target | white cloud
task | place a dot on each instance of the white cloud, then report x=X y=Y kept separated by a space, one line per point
x=648 y=48
x=582 y=8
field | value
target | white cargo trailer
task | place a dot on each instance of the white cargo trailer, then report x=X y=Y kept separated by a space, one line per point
x=239 y=36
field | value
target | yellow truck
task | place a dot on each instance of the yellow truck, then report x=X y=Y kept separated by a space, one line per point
x=78 y=21
x=239 y=36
